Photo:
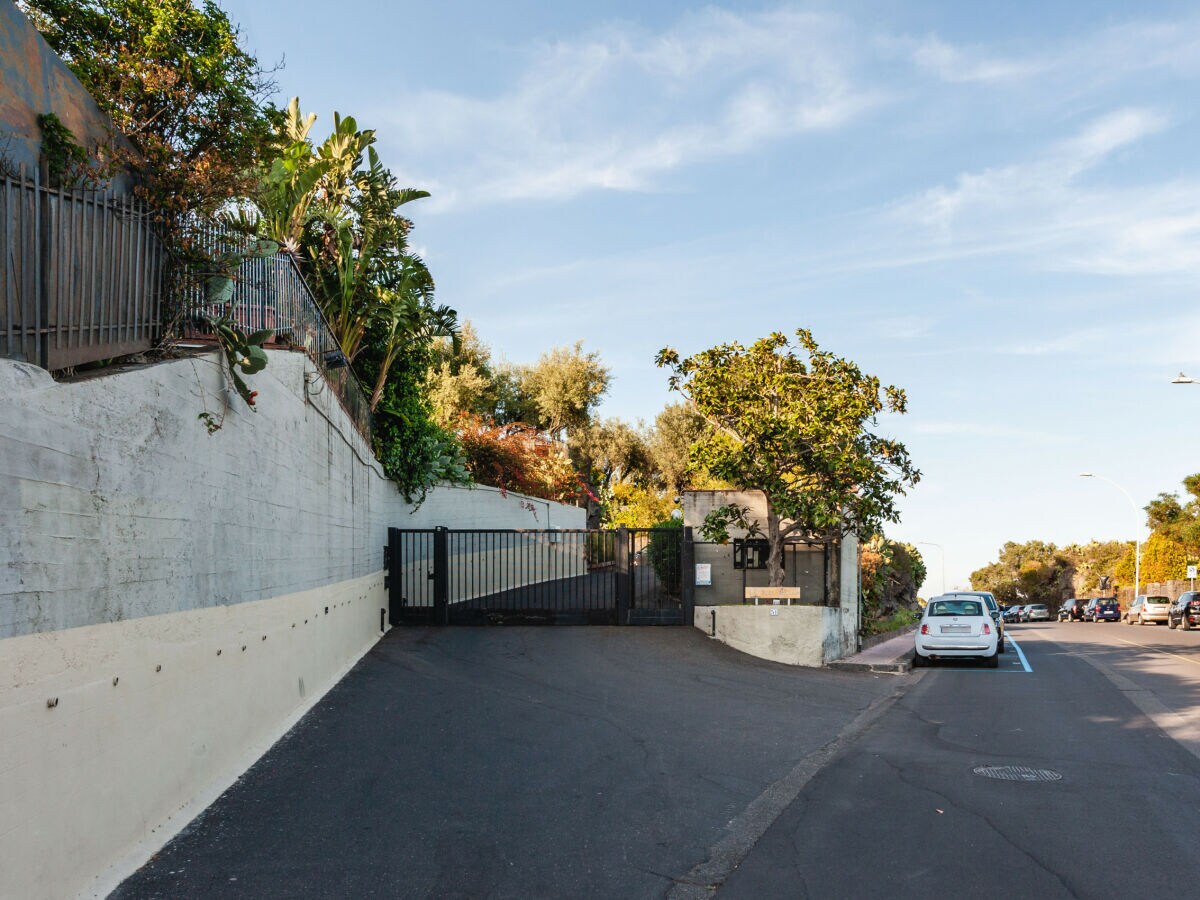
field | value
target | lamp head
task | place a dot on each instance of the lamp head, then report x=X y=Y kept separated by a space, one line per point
x=1182 y=379
x=1086 y=475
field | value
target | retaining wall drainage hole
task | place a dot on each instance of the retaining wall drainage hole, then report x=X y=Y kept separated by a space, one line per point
x=1017 y=773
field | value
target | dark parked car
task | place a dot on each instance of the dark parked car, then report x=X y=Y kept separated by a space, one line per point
x=1011 y=613
x=1185 y=612
x=1073 y=609
x=1105 y=609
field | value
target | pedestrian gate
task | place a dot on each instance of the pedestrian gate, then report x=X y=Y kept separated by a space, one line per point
x=625 y=576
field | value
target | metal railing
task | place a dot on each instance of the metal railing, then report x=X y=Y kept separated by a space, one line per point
x=269 y=293
x=81 y=275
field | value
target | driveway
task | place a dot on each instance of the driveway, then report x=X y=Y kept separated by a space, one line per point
x=516 y=762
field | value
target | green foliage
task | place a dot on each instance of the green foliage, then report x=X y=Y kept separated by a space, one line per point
x=901 y=618
x=663 y=552
x=415 y=452
x=717 y=523
x=566 y=385
x=892 y=573
x=66 y=161
x=637 y=505
x=173 y=76
x=676 y=430
x=794 y=422
x=1033 y=572
x=1164 y=558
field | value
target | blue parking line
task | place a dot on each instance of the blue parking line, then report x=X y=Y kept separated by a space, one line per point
x=1024 y=661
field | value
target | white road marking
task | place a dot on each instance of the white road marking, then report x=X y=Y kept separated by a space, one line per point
x=1021 y=654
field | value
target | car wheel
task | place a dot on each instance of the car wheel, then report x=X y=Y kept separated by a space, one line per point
x=1170 y=624
x=1184 y=624
x=1002 y=646
x=1141 y=620
x=918 y=661
x=993 y=661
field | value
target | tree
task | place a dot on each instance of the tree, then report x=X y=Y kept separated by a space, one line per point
x=178 y=84
x=1163 y=559
x=566 y=385
x=676 y=430
x=516 y=457
x=1033 y=572
x=794 y=423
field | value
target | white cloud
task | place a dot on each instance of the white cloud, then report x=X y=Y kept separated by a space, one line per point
x=618 y=109
x=1048 y=208
x=958 y=64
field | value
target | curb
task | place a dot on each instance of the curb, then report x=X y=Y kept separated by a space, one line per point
x=899 y=666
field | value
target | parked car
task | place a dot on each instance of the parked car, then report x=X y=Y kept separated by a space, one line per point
x=1075 y=608
x=993 y=609
x=1038 y=612
x=957 y=626
x=1105 y=609
x=1011 y=613
x=1146 y=608
x=1185 y=612
x=1024 y=616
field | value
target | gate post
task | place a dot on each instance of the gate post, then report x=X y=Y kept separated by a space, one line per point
x=441 y=575
x=687 y=576
x=393 y=582
x=623 y=575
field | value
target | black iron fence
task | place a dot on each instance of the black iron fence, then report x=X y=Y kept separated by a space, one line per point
x=81 y=276
x=269 y=293
x=549 y=576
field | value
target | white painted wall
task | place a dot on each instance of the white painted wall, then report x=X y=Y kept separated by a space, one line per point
x=795 y=635
x=134 y=547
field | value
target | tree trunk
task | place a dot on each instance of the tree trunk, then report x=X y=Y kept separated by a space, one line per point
x=774 y=547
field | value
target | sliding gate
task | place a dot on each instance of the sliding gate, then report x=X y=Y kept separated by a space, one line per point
x=626 y=576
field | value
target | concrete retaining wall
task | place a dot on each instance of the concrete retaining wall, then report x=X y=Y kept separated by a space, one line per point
x=138 y=557
x=795 y=635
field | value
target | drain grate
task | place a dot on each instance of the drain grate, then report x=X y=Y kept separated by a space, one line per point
x=1017 y=773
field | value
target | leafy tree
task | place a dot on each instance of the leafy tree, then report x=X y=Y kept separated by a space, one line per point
x=794 y=423
x=1033 y=572
x=566 y=386
x=637 y=505
x=517 y=457
x=1164 y=558
x=463 y=380
x=178 y=84
x=676 y=430
x=1095 y=564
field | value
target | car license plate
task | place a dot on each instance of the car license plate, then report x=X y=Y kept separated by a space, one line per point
x=956 y=629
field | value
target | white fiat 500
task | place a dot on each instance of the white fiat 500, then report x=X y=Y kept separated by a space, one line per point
x=956 y=626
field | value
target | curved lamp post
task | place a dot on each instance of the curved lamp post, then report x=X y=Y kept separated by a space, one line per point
x=942 y=551
x=1183 y=379
x=1137 y=543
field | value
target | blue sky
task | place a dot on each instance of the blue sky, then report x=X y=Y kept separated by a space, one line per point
x=996 y=209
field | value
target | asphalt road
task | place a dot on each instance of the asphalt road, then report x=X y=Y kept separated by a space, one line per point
x=518 y=762
x=902 y=813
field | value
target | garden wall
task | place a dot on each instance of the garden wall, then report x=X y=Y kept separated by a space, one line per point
x=171 y=602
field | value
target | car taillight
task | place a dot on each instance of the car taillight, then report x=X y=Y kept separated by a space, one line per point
x=925 y=629
x=987 y=629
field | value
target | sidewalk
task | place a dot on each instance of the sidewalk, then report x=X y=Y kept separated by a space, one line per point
x=893 y=655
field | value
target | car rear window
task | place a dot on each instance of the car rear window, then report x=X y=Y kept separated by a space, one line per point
x=955 y=608
x=1158 y=599
x=1039 y=606
x=1107 y=603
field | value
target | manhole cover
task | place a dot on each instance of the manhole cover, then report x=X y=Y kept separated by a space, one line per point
x=1017 y=773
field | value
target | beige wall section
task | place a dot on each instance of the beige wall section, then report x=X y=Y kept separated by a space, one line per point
x=795 y=635
x=91 y=787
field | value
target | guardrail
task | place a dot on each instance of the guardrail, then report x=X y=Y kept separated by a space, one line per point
x=271 y=293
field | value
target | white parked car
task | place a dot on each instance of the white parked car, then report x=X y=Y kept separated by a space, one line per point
x=956 y=626
x=1147 y=609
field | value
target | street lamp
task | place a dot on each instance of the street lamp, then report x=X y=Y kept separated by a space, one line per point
x=942 y=551
x=1183 y=379
x=1137 y=527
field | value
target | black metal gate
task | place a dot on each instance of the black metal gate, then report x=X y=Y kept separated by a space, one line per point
x=442 y=576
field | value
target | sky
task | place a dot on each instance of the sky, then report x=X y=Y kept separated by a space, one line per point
x=996 y=209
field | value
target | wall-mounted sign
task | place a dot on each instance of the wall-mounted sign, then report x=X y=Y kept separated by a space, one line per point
x=703 y=574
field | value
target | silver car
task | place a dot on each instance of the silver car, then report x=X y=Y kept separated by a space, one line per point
x=1147 y=608
x=1038 y=612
